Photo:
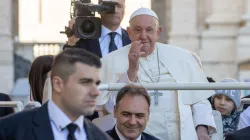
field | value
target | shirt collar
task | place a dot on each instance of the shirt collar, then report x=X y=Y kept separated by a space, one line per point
x=106 y=31
x=121 y=136
x=60 y=119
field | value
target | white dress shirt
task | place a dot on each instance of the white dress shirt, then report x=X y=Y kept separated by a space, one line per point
x=105 y=38
x=121 y=136
x=59 y=121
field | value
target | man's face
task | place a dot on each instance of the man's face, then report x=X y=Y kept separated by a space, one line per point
x=146 y=29
x=132 y=115
x=114 y=19
x=223 y=104
x=78 y=94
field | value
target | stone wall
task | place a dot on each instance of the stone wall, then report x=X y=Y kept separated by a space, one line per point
x=6 y=47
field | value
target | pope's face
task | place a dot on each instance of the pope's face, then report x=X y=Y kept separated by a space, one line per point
x=146 y=29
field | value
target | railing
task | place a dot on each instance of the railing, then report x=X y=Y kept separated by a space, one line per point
x=16 y=104
x=181 y=86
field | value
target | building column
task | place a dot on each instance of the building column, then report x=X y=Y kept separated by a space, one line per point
x=218 y=51
x=243 y=47
x=162 y=8
x=6 y=48
x=243 y=41
x=183 y=32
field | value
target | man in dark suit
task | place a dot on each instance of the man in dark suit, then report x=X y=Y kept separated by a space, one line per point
x=5 y=110
x=75 y=79
x=112 y=36
x=242 y=134
x=132 y=113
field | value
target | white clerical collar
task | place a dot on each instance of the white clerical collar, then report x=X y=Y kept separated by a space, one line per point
x=106 y=31
x=121 y=137
x=60 y=119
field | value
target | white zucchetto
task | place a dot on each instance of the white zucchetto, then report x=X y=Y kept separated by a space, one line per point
x=143 y=11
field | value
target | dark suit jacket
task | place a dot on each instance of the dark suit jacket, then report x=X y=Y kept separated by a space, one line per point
x=35 y=125
x=243 y=134
x=5 y=110
x=144 y=136
x=93 y=45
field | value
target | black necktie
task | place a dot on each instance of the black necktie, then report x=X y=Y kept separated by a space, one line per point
x=71 y=128
x=112 y=46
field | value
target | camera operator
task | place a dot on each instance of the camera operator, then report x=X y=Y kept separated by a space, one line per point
x=112 y=35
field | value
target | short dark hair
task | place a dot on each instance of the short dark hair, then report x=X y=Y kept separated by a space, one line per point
x=38 y=74
x=132 y=90
x=64 y=63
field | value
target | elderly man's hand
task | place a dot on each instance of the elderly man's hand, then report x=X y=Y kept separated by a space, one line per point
x=133 y=58
x=202 y=133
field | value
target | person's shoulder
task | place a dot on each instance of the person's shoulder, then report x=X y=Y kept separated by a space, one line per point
x=149 y=137
x=240 y=134
x=20 y=118
x=97 y=131
x=4 y=97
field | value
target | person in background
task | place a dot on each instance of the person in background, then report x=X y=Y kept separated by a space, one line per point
x=227 y=103
x=39 y=72
x=113 y=36
x=4 y=111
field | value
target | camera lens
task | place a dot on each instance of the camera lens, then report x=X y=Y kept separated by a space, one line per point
x=88 y=27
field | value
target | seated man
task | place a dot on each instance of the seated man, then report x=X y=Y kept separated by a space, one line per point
x=132 y=113
x=5 y=110
x=175 y=114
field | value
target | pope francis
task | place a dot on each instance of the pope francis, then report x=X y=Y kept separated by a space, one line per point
x=174 y=115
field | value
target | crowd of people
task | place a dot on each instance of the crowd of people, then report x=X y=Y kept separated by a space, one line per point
x=67 y=87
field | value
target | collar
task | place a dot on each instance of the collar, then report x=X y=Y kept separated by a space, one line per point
x=121 y=137
x=106 y=31
x=152 y=56
x=60 y=119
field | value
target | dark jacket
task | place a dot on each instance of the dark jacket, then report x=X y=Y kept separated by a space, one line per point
x=35 y=125
x=243 y=134
x=93 y=45
x=144 y=136
x=5 y=110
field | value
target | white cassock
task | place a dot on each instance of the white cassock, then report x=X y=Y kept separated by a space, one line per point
x=178 y=112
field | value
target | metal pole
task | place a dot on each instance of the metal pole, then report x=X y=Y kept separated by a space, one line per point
x=181 y=86
x=16 y=104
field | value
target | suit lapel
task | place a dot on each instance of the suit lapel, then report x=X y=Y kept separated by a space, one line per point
x=91 y=134
x=42 y=128
x=113 y=134
x=125 y=38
